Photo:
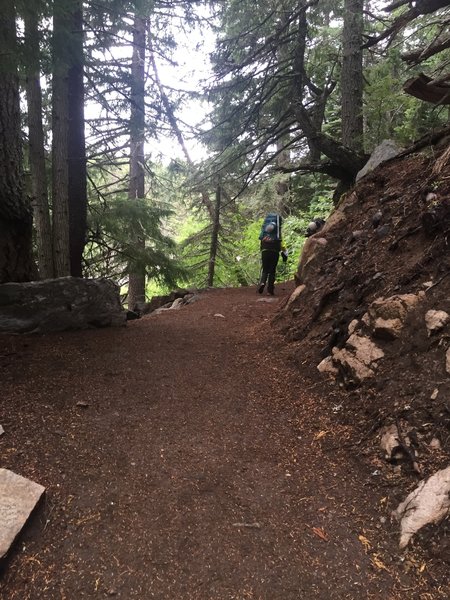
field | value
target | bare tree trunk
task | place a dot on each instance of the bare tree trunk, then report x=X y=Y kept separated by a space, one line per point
x=60 y=120
x=136 y=281
x=39 y=184
x=214 y=237
x=77 y=192
x=15 y=212
x=352 y=75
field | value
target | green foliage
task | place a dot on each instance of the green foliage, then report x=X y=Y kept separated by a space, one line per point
x=239 y=259
x=389 y=112
x=112 y=251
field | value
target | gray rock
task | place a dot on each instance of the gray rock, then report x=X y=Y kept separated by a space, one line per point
x=191 y=298
x=59 y=305
x=382 y=231
x=386 y=150
x=18 y=497
x=176 y=304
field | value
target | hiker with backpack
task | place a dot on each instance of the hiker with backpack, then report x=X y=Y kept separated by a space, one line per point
x=271 y=246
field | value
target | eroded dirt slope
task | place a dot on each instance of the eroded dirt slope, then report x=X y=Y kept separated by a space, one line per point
x=389 y=237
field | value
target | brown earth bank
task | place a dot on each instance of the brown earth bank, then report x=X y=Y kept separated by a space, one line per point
x=187 y=456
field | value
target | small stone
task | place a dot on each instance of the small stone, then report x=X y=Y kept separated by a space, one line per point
x=376 y=219
x=382 y=232
x=434 y=394
x=436 y=320
x=219 y=315
x=18 y=497
x=83 y=403
x=358 y=233
x=327 y=366
x=447 y=362
x=2 y=431
x=435 y=444
x=352 y=326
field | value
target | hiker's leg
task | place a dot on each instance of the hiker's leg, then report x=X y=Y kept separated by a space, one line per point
x=272 y=272
x=264 y=271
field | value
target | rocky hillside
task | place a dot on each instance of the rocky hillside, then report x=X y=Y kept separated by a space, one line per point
x=370 y=316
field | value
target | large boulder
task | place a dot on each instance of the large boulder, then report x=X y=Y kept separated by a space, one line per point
x=311 y=257
x=429 y=502
x=59 y=304
x=385 y=151
x=357 y=361
x=386 y=317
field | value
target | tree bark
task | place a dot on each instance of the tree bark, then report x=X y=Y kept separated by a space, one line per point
x=15 y=211
x=39 y=184
x=346 y=159
x=77 y=192
x=60 y=120
x=352 y=76
x=136 y=280
x=214 y=238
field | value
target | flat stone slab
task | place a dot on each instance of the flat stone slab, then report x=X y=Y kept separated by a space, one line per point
x=18 y=497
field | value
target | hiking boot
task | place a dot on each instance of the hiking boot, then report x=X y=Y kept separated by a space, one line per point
x=271 y=292
x=261 y=288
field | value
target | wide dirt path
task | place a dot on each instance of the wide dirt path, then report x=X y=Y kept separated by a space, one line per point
x=183 y=460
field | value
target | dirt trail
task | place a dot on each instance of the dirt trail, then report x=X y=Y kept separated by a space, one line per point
x=196 y=470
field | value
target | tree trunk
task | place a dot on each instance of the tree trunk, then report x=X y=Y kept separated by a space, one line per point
x=214 y=238
x=136 y=282
x=283 y=152
x=282 y=185
x=15 y=212
x=77 y=192
x=346 y=159
x=352 y=75
x=60 y=120
x=39 y=184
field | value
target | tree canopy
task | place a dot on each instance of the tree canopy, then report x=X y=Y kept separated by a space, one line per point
x=299 y=94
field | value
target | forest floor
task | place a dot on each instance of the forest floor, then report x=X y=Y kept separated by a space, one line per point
x=184 y=457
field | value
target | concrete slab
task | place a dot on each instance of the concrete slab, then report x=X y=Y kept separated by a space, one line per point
x=18 y=497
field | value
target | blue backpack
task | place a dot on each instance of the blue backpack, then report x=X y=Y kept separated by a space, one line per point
x=271 y=228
